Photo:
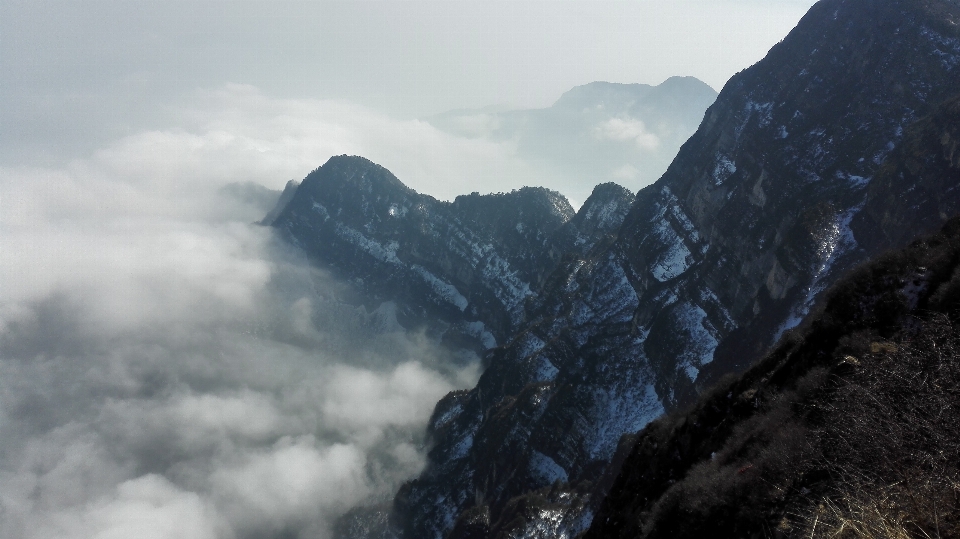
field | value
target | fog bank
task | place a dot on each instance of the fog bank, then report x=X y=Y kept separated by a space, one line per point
x=169 y=369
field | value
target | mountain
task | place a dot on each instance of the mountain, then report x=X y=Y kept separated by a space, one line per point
x=461 y=269
x=280 y=202
x=761 y=211
x=597 y=132
x=852 y=422
x=837 y=146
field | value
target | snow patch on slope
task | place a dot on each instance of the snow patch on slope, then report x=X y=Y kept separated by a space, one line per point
x=723 y=169
x=619 y=409
x=673 y=229
x=478 y=330
x=443 y=289
x=692 y=322
x=608 y=215
x=947 y=49
x=837 y=239
x=545 y=469
x=857 y=182
x=509 y=288
x=384 y=253
x=675 y=260
x=613 y=299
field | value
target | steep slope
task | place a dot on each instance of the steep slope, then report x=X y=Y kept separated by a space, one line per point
x=852 y=422
x=596 y=132
x=281 y=204
x=462 y=269
x=751 y=222
x=916 y=187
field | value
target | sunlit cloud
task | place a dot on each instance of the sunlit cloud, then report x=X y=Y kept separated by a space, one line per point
x=627 y=130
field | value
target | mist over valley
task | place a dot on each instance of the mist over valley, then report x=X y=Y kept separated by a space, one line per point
x=478 y=270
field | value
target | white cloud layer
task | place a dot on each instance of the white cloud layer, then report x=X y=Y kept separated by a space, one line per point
x=259 y=136
x=170 y=370
x=627 y=130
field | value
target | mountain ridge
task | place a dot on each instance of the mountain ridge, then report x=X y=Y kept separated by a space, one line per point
x=596 y=132
x=764 y=207
x=729 y=249
x=463 y=269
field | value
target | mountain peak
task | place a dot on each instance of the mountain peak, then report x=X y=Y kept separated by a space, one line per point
x=605 y=209
x=354 y=173
x=602 y=93
x=462 y=269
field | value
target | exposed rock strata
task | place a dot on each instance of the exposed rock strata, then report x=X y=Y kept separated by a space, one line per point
x=463 y=269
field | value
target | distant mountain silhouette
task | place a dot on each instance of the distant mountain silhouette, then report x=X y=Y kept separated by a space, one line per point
x=598 y=132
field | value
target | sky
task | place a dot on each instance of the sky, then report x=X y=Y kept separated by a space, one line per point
x=78 y=73
x=168 y=369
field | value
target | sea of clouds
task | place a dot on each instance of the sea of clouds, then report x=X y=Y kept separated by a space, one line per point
x=169 y=369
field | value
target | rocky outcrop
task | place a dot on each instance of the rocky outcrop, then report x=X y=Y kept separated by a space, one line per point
x=463 y=269
x=283 y=200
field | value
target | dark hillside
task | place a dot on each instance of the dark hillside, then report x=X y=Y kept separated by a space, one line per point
x=916 y=188
x=849 y=428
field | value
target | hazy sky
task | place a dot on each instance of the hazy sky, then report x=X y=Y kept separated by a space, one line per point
x=84 y=70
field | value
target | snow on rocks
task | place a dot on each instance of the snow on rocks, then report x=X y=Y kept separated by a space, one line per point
x=478 y=330
x=623 y=407
x=836 y=240
x=675 y=260
x=724 y=168
x=672 y=230
x=545 y=469
x=384 y=253
x=692 y=322
x=443 y=289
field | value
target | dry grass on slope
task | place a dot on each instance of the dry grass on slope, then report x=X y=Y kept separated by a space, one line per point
x=892 y=441
x=896 y=511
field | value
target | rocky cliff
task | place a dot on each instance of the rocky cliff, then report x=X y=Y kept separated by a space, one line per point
x=463 y=270
x=811 y=161
x=756 y=216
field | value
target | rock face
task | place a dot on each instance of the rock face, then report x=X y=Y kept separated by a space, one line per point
x=758 y=214
x=781 y=190
x=851 y=423
x=462 y=269
x=916 y=187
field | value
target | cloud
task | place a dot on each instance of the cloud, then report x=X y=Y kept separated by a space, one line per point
x=626 y=172
x=168 y=369
x=148 y=507
x=289 y=484
x=627 y=130
x=259 y=134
